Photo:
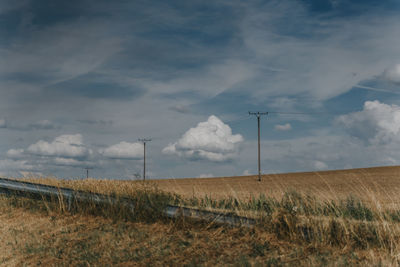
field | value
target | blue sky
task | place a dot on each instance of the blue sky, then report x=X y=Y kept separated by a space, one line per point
x=81 y=81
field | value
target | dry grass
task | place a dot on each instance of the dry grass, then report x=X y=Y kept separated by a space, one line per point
x=318 y=224
x=32 y=238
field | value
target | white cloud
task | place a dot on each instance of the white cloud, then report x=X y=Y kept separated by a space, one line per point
x=68 y=146
x=70 y=162
x=377 y=123
x=15 y=153
x=392 y=74
x=210 y=140
x=246 y=173
x=319 y=165
x=206 y=175
x=284 y=127
x=17 y=165
x=318 y=57
x=124 y=150
x=3 y=123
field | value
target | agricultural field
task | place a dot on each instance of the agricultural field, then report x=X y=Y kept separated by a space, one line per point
x=333 y=218
x=373 y=185
x=378 y=184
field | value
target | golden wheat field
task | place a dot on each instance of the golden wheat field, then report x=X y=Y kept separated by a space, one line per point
x=378 y=185
x=369 y=184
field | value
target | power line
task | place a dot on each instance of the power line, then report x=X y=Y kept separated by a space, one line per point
x=144 y=140
x=301 y=113
x=258 y=114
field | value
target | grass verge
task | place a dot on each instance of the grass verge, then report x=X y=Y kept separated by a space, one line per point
x=297 y=229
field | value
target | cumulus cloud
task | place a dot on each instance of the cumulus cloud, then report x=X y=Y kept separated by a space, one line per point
x=67 y=146
x=210 y=140
x=123 y=150
x=377 y=123
x=392 y=74
x=284 y=127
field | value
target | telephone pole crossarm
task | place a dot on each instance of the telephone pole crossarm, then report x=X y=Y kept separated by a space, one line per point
x=258 y=114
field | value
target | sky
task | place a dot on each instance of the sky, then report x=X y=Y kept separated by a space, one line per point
x=82 y=80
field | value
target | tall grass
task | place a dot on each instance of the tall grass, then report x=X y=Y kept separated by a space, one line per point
x=144 y=204
x=296 y=217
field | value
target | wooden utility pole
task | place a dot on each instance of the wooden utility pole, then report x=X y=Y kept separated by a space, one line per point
x=87 y=171
x=258 y=114
x=144 y=140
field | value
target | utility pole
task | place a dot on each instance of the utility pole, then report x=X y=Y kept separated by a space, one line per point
x=144 y=140
x=87 y=171
x=258 y=114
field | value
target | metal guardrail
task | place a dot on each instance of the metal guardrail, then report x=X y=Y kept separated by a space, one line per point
x=39 y=191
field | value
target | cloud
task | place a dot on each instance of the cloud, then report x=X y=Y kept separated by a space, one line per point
x=61 y=51
x=319 y=55
x=246 y=173
x=70 y=162
x=15 y=153
x=68 y=146
x=97 y=122
x=97 y=85
x=210 y=140
x=123 y=150
x=9 y=5
x=377 y=123
x=180 y=109
x=284 y=127
x=392 y=74
x=319 y=165
x=42 y=125
x=54 y=57
x=17 y=165
x=39 y=125
x=206 y=175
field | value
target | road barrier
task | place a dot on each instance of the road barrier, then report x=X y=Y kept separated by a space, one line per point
x=39 y=191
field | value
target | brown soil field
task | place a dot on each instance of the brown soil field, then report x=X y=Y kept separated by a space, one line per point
x=378 y=185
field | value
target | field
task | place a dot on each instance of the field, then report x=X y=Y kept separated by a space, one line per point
x=372 y=185
x=333 y=218
x=380 y=184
